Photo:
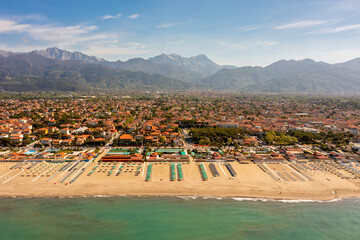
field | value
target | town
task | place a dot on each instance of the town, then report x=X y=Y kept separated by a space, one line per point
x=194 y=137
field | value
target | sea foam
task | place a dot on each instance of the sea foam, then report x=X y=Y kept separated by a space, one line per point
x=286 y=200
x=241 y=199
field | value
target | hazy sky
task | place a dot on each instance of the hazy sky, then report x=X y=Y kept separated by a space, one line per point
x=227 y=31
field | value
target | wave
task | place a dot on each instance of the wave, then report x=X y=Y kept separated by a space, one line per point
x=287 y=200
x=188 y=197
x=195 y=197
x=241 y=199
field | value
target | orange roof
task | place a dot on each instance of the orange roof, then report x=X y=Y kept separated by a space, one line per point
x=126 y=137
x=250 y=140
x=99 y=139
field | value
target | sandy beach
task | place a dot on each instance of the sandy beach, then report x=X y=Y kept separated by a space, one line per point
x=251 y=181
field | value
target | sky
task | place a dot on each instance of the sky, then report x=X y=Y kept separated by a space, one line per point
x=236 y=32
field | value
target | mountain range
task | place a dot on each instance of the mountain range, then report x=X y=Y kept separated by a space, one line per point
x=33 y=72
x=173 y=66
x=304 y=76
x=56 y=69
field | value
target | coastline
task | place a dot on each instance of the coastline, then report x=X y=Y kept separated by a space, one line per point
x=286 y=197
x=188 y=197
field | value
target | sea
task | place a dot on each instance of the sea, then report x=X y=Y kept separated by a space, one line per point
x=177 y=218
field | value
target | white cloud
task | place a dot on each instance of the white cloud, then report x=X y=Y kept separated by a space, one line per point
x=135 y=44
x=336 y=29
x=166 y=25
x=44 y=32
x=61 y=36
x=266 y=43
x=49 y=33
x=301 y=24
x=85 y=40
x=347 y=28
x=133 y=16
x=249 y=28
x=106 y=17
x=7 y=26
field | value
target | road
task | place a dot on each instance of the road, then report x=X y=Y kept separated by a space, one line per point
x=187 y=140
x=31 y=145
x=116 y=135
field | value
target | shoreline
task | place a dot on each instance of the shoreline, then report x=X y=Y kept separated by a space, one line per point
x=289 y=199
x=191 y=197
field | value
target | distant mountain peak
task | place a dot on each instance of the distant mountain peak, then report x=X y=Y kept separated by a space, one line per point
x=203 y=59
x=308 y=60
x=55 y=48
x=172 y=56
x=305 y=60
x=201 y=56
x=57 y=53
x=353 y=64
x=7 y=53
x=199 y=63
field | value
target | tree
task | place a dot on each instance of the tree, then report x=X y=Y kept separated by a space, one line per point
x=279 y=138
x=214 y=136
x=5 y=142
x=269 y=137
x=205 y=141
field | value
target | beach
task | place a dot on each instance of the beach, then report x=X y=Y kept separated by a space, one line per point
x=251 y=181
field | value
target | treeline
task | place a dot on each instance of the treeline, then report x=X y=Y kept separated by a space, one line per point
x=279 y=138
x=339 y=139
x=214 y=136
x=192 y=123
x=6 y=142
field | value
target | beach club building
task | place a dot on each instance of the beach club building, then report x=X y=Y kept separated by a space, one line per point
x=168 y=155
x=122 y=155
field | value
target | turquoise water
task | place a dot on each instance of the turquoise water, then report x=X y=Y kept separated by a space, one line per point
x=31 y=152
x=176 y=218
